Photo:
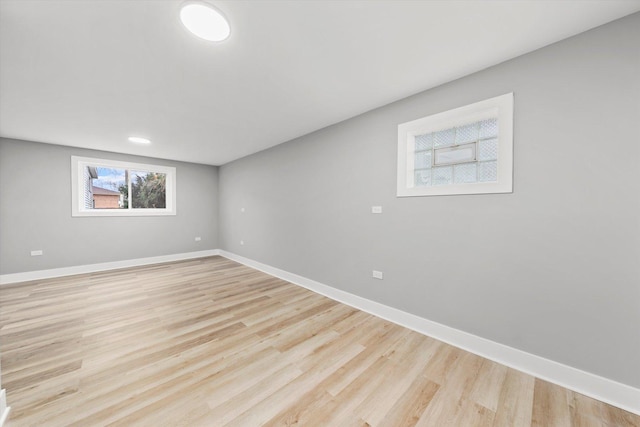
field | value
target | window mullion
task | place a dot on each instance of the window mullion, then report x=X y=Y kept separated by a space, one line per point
x=129 y=189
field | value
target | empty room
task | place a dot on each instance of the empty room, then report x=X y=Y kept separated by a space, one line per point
x=319 y=213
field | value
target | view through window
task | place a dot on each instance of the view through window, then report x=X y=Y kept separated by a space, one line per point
x=117 y=188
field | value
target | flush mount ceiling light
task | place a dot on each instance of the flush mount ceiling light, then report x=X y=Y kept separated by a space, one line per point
x=139 y=140
x=205 y=21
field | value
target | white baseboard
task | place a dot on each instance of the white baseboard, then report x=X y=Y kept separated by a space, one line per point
x=617 y=394
x=92 y=268
x=4 y=409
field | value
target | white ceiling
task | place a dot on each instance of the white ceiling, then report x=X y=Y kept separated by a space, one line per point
x=90 y=73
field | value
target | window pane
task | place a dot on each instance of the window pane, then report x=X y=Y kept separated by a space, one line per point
x=465 y=173
x=442 y=175
x=422 y=160
x=104 y=188
x=148 y=190
x=422 y=178
x=457 y=154
x=488 y=149
x=489 y=128
x=467 y=133
x=487 y=171
x=424 y=142
x=444 y=137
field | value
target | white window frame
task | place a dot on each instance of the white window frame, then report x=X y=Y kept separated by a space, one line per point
x=78 y=164
x=500 y=107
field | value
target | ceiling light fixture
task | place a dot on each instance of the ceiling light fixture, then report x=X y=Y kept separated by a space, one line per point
x=205 y=21
x=139 y=140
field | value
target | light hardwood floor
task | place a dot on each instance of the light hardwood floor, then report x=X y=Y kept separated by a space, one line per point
x=210 y=342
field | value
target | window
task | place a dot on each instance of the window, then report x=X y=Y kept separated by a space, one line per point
x=468 y=150
x=110 y=188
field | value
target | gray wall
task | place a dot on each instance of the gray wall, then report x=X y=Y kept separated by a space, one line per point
x=35 y=212
x=552 y=269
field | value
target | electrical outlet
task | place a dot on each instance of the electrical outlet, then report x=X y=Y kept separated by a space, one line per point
x=36 y=253
x=242 y=242
x=377 y=274
x=242 y=210
x=376 y=209
x=198 y=238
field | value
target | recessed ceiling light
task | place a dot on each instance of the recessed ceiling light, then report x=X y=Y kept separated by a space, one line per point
x=205 y=21
x=139 y=140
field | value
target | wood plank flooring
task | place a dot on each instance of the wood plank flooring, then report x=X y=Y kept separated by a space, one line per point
x=209 y=342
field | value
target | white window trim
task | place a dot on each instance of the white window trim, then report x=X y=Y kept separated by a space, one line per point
x=77 y=205
x=500 y=107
